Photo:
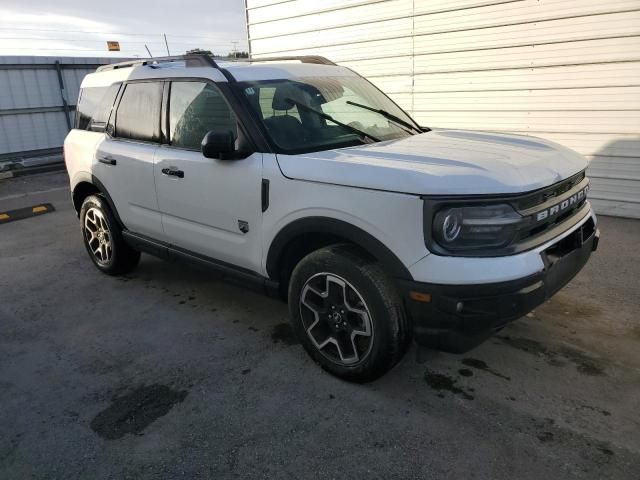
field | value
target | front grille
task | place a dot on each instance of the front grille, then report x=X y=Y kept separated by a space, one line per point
x=539 y=197
x=549 y=207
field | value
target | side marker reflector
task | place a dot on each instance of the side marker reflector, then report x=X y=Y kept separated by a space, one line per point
x=420 y=297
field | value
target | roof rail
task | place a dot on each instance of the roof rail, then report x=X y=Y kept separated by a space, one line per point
x=191 y=59
x=303 y=58
x=203 y=58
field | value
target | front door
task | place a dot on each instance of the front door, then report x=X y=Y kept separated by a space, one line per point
x=209 y=207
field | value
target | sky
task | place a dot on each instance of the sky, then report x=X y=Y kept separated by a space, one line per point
x=82 y=27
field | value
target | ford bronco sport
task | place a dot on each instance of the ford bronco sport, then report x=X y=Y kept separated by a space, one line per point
x=302 y=177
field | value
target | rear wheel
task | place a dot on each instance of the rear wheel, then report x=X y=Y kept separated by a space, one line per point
x=347 y=313
x=103 y=238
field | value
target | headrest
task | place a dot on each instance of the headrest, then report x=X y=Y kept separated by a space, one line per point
x=288 y=91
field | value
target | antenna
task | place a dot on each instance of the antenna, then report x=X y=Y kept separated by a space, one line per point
x=166 y=44
x=148 y=51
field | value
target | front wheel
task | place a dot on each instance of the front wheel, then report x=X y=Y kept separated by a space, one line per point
x=103 y=238
x=347 y=314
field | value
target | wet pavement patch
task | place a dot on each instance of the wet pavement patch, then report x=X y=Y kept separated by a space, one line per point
x=545 y=437
x=441 y=382
x=583 y=362
x=134 y=412
x=601 y=411
x=284 y=333
x=481 y=365
x=562 y=305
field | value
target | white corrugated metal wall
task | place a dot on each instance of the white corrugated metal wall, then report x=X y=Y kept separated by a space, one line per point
x=566 y=70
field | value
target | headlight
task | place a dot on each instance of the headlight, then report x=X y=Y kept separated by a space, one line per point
x=469 y=228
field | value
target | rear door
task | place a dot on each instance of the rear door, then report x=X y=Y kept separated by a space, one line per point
x=125 y=156
x=209 y=207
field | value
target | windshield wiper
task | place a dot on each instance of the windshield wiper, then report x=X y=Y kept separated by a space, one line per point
x=355 y=130
x=387 y=115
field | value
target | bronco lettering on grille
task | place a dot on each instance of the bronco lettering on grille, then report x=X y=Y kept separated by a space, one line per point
x=570 y=202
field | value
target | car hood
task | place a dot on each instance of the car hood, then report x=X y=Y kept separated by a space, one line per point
x=441 y=162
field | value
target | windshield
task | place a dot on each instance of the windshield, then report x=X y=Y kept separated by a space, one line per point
x=319 y=113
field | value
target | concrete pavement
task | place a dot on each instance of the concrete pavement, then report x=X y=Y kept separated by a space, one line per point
x=172 y=372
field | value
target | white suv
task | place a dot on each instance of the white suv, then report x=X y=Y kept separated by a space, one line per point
x=301 y=176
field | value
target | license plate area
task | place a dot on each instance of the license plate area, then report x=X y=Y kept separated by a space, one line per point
x=568 y=244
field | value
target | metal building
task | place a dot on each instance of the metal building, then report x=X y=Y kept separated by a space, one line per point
x=37 y=104
x=566 y=70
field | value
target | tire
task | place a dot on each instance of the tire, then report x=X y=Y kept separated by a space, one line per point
x=103 y=239
x=359 y=339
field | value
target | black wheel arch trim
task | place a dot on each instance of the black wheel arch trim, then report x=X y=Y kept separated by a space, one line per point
x=339 y=228
x=108 y=199
x=93 y=180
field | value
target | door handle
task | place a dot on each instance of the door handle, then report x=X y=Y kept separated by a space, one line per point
x=173 y=172
x=107 y=160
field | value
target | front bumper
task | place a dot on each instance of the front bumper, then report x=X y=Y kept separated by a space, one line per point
x=456 y=318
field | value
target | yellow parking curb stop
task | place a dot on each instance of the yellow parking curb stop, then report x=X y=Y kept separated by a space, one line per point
x=21 y=213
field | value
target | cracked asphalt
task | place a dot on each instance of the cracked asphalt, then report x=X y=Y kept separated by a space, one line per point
x=172 y=372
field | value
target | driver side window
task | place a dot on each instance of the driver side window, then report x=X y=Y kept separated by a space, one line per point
x=196 y=108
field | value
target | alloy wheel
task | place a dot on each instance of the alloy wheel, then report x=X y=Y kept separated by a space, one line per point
x=336 y=319
x=98 y=235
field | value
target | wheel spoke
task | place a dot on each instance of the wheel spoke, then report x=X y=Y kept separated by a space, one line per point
x=103 y=223
x=346 y=348
x=335 y=290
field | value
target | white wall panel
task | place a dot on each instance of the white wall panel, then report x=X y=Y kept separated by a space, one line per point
x=566 y=70
x=282 y=10
x=581 y=52
x=325 y=17
x=533 y=121
x=567 y=77
x=560 y=100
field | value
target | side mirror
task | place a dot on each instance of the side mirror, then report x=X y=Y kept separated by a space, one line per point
x=219 y=145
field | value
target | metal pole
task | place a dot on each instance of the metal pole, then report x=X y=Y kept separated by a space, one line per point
x=166 y=43
x=246 y=16
x=148 y=51
x=63 y=94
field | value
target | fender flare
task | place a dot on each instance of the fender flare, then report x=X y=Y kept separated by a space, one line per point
x=339 y=228
x=84 y=177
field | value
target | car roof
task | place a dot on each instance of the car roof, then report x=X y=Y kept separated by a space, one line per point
x=240 y=70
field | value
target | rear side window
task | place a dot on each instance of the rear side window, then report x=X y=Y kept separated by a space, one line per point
x=138 y=115
x=196 y=108
x=94 y=107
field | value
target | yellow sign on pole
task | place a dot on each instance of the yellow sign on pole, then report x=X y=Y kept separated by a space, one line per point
x=113 y=46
